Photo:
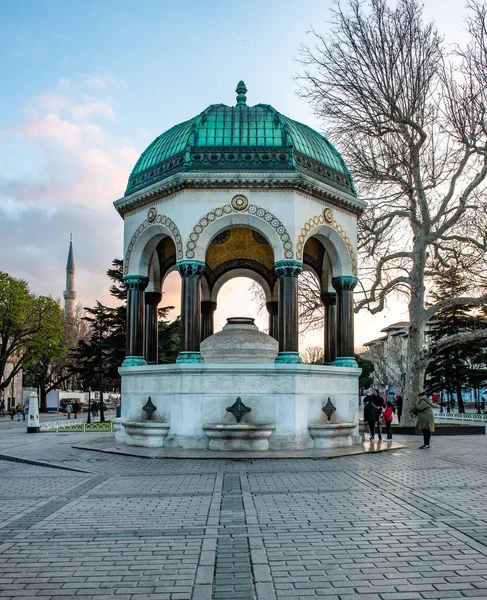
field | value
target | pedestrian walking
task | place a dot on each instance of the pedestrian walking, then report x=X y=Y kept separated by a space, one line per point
x=18 y=410
x=426 y=419
x=23 y=413
x=69 y=410
x=399 y=401
x=371 y=417
x=2 y=408
x=76 y=409
x=388 y=416
x=12 y=413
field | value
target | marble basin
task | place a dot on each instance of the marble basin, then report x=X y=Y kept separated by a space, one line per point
x=240 y=436
x=332 y=435
x=150 y=434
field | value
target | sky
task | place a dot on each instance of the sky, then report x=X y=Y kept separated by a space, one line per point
x=87 y=85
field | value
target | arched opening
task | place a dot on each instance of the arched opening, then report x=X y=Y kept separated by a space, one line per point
x=236 y=298
x=311 y=316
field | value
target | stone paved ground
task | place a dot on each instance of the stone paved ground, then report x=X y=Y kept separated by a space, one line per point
x=402 y=525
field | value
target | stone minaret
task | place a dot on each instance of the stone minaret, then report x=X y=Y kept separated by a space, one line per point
x=69 y=293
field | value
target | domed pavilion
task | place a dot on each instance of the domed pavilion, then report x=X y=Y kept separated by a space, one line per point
x=237 y=191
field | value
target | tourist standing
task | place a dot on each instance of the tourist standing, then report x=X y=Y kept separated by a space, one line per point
x=426 y=419
x=69 y=410
x=2 y=408
x=371 y=417
x=388 y=415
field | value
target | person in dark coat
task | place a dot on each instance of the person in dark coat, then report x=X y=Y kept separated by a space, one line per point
x=398 y=401
x=371 y=417
x=380 y=404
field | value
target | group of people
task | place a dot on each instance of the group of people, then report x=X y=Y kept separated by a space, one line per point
x=380 y=412
x=19 y=410
x=73 y=408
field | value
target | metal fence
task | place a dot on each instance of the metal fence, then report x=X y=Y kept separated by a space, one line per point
x=65 y=426
x=457 y=416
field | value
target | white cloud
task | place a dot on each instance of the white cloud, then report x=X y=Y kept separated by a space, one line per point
x=65 y=170
x=103 y=81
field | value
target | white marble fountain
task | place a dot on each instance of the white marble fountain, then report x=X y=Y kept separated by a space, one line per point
x=205 y=405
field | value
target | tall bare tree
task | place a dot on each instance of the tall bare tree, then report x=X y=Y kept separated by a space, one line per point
x=410 y=118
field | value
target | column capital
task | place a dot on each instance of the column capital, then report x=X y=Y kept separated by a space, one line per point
x=329 y=298
x=272 y=307
x=288 y=268
x=152 y=298
x=136 y=282
x=208 y=306
x=344 y=282
x=187 y=268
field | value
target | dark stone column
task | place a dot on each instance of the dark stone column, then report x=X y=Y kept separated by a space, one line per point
x=344 y=286
x=152 y=300
x=288 y=271
x=191 y=272
x=136 y=285
x=273 y=310
x=208 y=308
x=329 y=300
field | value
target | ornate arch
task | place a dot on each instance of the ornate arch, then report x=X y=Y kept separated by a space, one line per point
x=155 y=219
x=227 y=209
x=316 y=221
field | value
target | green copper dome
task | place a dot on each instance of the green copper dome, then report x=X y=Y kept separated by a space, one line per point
x=237 y=139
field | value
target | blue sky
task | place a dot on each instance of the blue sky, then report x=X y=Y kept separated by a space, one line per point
x=87 y=85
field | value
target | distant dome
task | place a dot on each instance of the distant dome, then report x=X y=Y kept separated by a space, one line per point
x=240 y=138
x=240 y=341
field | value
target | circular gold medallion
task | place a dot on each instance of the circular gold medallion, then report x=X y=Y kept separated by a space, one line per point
x=151 y=215
x=239 y=202
x=328 y=214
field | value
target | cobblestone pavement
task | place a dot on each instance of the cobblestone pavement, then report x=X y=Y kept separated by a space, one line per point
x=402 y=525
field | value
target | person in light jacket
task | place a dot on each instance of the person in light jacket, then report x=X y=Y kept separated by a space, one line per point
x=426 y=419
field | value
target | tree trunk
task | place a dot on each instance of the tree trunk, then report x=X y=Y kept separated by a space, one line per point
x=43 y=398
x=417 y=321
x=461 y=406
x=102 y=406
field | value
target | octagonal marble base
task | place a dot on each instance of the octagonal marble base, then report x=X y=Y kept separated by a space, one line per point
x=149 y=434
x=240 y=436
x=189 y=396
x=333 y=435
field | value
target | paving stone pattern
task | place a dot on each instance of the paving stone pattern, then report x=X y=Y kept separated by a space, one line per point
x=404 y=525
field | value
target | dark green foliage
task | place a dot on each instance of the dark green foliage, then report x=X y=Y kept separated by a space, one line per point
x=462 y=366
x=31 y=329
x=366 y=379
x=100 y=357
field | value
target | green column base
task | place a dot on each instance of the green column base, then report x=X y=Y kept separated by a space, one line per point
x=345 y=361
x=189 y=357
x=134 y=361
x=289 y=357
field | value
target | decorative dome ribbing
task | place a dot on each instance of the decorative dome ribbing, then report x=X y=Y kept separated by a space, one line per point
x=240 y=138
